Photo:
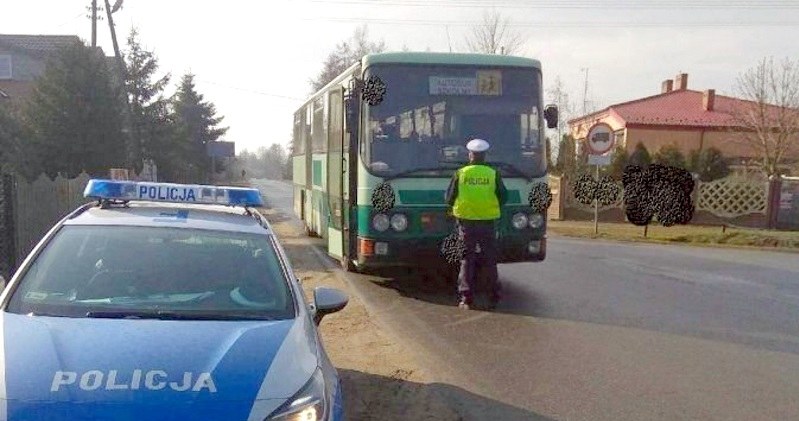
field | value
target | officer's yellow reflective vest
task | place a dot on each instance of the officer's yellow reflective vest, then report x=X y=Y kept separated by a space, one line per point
x=477 y=194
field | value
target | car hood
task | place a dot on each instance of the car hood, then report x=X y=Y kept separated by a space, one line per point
x=77 y=368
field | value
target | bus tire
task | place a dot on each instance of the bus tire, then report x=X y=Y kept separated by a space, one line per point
x=349 y=266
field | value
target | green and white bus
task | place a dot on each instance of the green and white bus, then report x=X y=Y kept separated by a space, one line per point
x=352 y=137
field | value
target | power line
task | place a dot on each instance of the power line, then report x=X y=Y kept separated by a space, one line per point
x=79 y=15
x=562 y=24
x=250 y=91
x=577 y=4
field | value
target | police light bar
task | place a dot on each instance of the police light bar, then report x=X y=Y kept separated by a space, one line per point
x=174 y=193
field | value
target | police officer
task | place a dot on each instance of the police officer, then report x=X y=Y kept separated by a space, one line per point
x=476 y=193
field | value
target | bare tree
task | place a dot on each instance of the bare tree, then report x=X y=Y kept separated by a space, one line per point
x=769 y=118
x=347 y=53
x=494 y=35
x=556 y=94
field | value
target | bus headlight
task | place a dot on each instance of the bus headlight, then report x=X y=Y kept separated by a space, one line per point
x=519 y=221
x=536 y=220
x=380 y=222
x=399 y=222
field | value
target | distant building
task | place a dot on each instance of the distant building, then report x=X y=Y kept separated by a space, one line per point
x=23 y=58
x=690 y=120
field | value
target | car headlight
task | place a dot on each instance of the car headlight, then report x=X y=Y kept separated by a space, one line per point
x=380 y=222
x=536 y=220
x=399 y=222
x=519 y=221
x=309 y=404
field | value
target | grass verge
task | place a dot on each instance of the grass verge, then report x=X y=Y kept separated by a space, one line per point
x=682 y=234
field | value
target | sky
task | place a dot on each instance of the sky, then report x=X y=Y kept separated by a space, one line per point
x=254 y=59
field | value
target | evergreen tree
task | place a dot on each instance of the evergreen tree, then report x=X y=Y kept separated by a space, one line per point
x=197 y=125
x=10 y=136
x=709 y=164
x=73 y=117
x=640 y=156
x=669 y=155
x=619 y=161
x=151 y=130
x=565 y=162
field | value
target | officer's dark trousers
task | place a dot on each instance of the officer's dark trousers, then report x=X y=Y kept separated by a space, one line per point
x=474 y=234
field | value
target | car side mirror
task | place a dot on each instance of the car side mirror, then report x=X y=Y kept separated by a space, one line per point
x=327 y=301
x=551 y=116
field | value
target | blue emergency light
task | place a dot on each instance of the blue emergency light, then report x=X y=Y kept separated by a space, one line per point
x=175 y=193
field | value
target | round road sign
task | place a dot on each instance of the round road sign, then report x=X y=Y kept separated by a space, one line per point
x=600 y=139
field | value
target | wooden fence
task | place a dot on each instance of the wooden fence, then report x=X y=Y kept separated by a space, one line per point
x=734 y=200
x=42 y=203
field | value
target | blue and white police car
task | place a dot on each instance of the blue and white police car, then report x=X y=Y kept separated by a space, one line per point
x=164 y=302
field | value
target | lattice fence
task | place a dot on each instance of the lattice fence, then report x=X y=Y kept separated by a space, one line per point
x=733 y=196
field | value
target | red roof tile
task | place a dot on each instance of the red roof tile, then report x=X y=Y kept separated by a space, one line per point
x=677 y=108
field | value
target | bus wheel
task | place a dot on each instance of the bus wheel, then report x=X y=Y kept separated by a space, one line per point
x=349 y=266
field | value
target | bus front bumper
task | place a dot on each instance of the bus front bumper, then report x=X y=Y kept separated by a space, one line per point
x=384 y=253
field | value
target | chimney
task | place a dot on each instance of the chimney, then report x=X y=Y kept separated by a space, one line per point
x=709 y=99
x=681 y=82
x=667 y=86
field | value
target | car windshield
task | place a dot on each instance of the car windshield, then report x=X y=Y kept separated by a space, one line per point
x=430 y=112
x=155 y=272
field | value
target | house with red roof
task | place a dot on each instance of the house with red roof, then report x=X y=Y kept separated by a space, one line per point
x=23 y=58
x=688 y=119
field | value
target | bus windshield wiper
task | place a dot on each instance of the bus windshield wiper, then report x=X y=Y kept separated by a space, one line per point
x=173 y=315
x=413 y=171
x=514 y=170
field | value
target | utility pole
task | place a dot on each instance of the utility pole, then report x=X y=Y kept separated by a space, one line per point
x=94 y=23
x=585 y=92
x=113 y=32
x=449 y=41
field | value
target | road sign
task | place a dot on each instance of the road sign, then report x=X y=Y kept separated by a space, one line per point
x=221 y=149
x=600 y=139
x=600 y=160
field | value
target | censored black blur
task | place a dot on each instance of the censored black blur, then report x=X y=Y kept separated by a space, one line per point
x=453 y=248
x=374 y=91
x=658 y=191
x=605 y=190
x=540 y=198
x=383 y=197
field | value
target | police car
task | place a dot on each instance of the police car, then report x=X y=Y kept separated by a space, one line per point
x=164 y=302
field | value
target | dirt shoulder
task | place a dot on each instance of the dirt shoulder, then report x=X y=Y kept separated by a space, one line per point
x=381 y=378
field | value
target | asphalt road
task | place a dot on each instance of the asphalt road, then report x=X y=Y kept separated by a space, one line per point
x=606 y=330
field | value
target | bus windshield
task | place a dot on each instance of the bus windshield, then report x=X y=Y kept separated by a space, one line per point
x=429 y=113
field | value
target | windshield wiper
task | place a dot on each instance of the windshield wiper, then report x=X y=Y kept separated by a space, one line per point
x=417 y=170
x=172 y=315
x=512 y=169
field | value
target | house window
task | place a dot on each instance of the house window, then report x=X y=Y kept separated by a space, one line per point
x=5 y=67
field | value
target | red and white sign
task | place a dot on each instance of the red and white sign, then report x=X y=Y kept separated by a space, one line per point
x=600 y=139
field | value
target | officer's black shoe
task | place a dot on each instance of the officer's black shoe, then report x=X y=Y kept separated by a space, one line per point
x=493 y=301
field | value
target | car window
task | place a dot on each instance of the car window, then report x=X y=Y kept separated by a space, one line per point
x=90 y=269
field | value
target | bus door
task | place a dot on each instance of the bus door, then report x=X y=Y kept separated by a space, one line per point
x=337 y=194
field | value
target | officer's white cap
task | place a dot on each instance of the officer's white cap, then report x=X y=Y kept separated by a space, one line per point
x=477 y=145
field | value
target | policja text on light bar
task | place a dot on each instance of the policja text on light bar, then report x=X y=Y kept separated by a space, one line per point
x=168 y=192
